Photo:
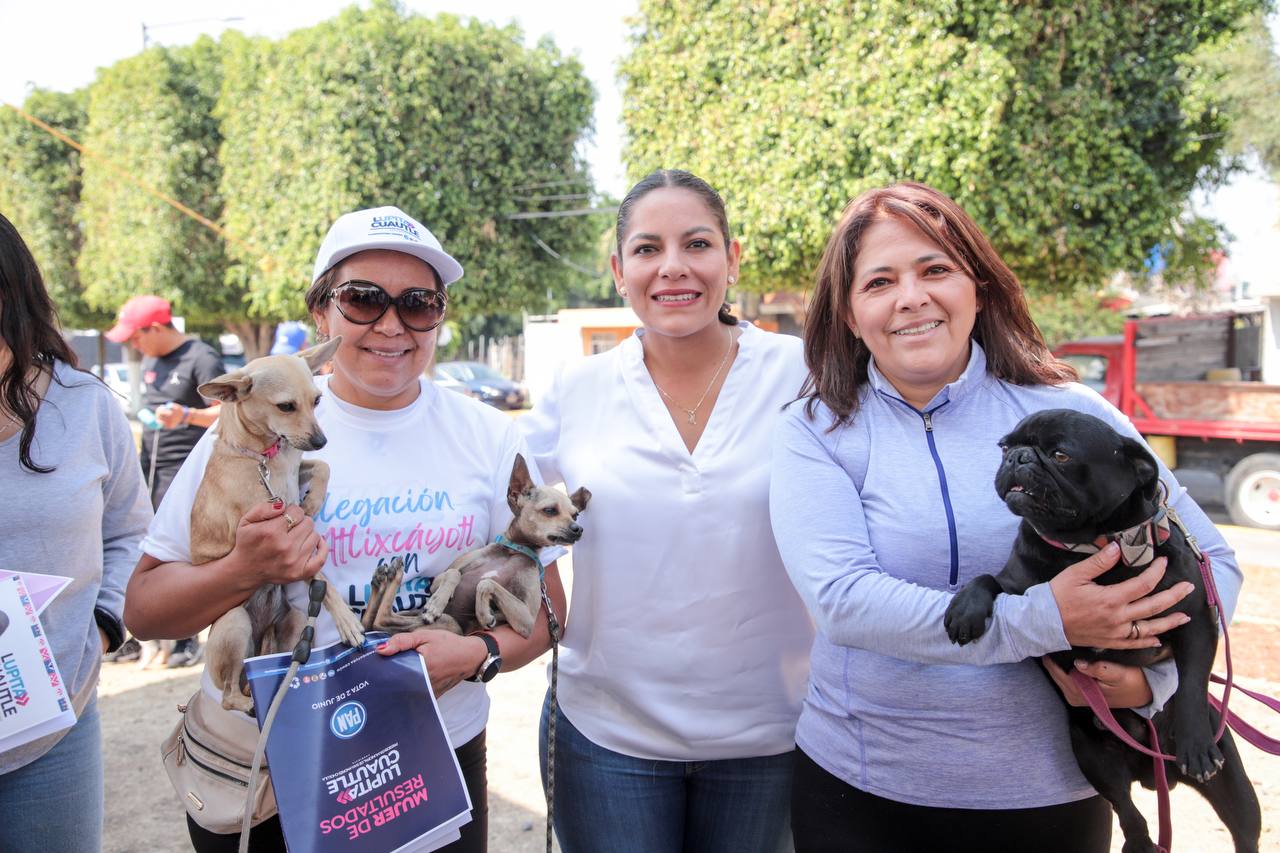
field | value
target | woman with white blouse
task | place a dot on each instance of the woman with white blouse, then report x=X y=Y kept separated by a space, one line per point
x=685 y=652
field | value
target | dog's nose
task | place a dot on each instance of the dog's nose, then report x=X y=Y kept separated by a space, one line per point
x=575 y=529
x=317 y=440
x=1024 y=456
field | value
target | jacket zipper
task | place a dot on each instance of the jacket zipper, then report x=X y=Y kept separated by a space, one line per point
x=953 y=578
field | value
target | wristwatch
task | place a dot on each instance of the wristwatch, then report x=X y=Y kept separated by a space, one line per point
x=492 y=662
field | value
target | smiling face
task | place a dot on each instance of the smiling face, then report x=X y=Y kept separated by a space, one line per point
x=378 y=365
x=673 y=263
x=914 y=307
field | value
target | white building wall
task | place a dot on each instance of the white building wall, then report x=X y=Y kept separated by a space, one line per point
x=551 y=341
x=1270 y=354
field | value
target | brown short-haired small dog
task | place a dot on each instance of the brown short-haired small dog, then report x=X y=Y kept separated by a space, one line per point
x=494 y=583
x=266 y=422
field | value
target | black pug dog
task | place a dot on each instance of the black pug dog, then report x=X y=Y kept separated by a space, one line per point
x=1074 y=480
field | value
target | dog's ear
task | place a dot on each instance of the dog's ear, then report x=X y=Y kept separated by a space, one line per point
x=520 y=483
x=229 y=387
x=318 y=356
x=580 y=498
x=1144 y=466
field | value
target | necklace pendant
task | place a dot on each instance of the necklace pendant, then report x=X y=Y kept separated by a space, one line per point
x=692 y=419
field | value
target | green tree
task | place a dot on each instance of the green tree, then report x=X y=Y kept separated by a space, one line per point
x=1246 y=75
x=40 y=191
x=150 y=119
x=457 y=123
x=1072 y=132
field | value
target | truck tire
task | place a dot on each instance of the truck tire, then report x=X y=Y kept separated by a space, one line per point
x=1252 y=492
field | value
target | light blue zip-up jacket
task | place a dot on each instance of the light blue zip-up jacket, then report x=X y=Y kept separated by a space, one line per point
x=879 y=522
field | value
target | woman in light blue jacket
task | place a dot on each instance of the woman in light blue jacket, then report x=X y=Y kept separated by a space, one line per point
x=923 y=355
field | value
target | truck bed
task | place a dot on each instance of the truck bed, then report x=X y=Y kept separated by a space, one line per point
x=1243 y=402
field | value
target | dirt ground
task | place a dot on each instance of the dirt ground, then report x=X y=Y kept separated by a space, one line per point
x=145 y=816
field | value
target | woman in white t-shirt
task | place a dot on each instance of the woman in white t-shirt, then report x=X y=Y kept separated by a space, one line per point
x=686 y=648
x=415 y=473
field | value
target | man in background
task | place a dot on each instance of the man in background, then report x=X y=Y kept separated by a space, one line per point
x=173 y=367
x=291 y=336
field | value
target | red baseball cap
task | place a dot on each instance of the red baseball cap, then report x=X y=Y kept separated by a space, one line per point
x=138 y=313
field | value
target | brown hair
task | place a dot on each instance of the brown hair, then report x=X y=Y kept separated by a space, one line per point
x=837 y=361
x=679 y=179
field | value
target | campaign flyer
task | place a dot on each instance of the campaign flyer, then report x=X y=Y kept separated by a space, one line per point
x=33 y=700
x=41 y=588
x=359 y=756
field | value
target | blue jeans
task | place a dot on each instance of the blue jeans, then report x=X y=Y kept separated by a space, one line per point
x=607 y=802
x=55 y=802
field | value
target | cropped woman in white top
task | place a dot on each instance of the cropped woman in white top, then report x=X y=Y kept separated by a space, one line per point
x=686 y=647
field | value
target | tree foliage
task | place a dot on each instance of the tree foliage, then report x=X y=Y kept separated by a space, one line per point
x=1072 y=132
x=1245 y=72
x=150 y=118
x=459 y=124
x=40 y=192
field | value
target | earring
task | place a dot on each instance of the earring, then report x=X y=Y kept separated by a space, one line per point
x=732 y=279
x=622 y=291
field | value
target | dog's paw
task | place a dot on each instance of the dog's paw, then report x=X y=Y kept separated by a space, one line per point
x=388 y=575
x=399 y=622
x=234 y=700
x=1199 y=759
x=966 y=616
x=1139 y=845
x=433 y=608
x=349 y=628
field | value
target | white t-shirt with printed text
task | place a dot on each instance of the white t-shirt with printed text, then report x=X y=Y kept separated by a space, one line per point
x=424 y=483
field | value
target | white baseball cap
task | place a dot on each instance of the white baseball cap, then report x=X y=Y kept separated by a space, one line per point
x=384 y=228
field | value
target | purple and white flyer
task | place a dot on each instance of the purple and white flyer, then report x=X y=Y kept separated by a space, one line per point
x=33 y=700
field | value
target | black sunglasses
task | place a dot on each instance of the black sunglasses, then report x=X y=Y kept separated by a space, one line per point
x=364 y=303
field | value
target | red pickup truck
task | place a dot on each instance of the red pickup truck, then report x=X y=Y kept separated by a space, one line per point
x=1183 y=381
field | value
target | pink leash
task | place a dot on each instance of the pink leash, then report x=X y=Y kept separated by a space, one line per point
x=1098 y=703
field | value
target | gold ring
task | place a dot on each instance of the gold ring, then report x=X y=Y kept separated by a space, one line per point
x=290 y=522
x=1135 y=632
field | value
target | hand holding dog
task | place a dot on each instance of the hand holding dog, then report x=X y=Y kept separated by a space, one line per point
x=278 y=544
x=1122 y=686
x=450 y=658
x=1097 y=616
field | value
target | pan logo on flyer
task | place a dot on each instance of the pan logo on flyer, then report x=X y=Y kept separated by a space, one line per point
x=348 y=720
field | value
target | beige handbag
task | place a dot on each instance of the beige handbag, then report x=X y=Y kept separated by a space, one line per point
x=208 y=756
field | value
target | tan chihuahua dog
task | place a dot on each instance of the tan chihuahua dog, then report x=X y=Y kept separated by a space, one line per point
x=266 y=422
x=492 y=584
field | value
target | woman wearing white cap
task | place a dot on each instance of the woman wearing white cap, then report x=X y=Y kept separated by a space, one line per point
x=411 y=457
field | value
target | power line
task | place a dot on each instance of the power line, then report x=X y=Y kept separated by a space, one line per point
x=562 y=259
x=561 y=197
x=145 y=187
x=543 y=184
x=559 y=214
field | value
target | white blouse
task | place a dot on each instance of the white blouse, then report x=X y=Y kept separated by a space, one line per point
x=685 y=639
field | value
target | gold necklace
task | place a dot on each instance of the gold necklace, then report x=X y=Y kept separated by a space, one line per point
x=692 y=413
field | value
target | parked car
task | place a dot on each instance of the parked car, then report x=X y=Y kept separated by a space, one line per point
x=116 y=376
x=482 y=382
